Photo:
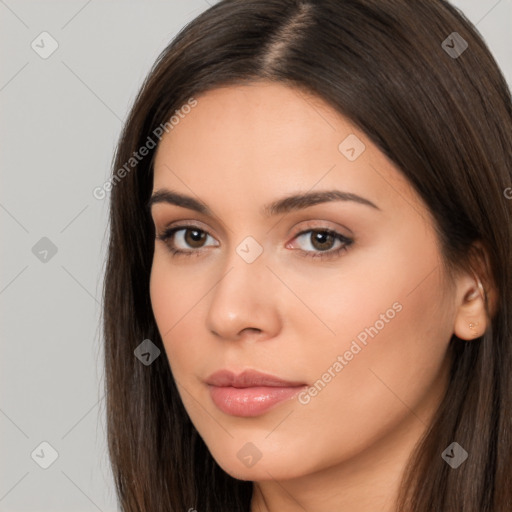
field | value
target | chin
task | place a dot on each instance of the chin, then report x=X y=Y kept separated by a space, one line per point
x=271 y=466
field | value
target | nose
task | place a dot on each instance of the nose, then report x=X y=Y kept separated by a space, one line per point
x=245 y=303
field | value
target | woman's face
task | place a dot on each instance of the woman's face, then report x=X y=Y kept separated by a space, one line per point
x=340 y=291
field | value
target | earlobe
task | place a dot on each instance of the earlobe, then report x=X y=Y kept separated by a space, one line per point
x=473 y=327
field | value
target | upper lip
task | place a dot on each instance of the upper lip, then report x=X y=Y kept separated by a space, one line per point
x=247 y=379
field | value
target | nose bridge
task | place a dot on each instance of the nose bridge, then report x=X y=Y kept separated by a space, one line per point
x=243 y=297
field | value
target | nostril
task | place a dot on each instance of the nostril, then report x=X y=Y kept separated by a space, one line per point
x=254 y=329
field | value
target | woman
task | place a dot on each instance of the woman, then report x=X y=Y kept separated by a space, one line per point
x=308 y=288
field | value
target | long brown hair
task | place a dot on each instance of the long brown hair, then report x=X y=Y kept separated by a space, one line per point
x=443 y=118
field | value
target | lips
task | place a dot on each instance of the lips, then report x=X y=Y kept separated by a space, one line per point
x=247 y=379
x=250 y=393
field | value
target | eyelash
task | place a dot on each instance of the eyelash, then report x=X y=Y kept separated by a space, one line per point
x=329 y=254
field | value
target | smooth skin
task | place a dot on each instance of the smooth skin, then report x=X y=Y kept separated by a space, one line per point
x=290 y=312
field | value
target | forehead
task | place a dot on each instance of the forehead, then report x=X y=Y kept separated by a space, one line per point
x=253 y=123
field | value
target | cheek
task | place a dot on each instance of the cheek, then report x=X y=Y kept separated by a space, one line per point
x=400 y=317
x=393 y=326
x=177 y=299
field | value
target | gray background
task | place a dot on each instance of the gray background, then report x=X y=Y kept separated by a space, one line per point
x=61 y=117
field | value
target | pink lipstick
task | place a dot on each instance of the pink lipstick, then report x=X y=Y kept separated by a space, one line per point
x=250 y=393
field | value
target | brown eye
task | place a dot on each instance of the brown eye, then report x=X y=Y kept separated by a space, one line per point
x=322 y=240
x=194 y=238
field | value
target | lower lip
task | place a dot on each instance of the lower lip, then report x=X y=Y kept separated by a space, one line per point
x=250 y=401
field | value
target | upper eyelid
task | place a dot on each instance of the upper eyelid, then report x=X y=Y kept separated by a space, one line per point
x=185 y=223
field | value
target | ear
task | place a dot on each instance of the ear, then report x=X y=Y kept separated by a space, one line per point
x=475 y=302
x=471 y=318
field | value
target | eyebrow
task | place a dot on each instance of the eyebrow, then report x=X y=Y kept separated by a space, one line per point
x=284 y=205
